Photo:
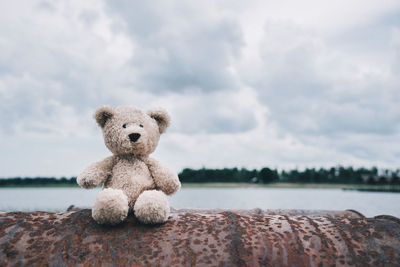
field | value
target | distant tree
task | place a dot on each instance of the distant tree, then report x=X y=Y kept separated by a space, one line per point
x=294 y=176
x=266 y=175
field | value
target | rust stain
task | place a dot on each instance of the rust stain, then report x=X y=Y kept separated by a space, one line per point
x=202 y=238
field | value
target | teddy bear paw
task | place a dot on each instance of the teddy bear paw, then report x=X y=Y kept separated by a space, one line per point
x=111 y=207
x=86 y=183
x=152 y=207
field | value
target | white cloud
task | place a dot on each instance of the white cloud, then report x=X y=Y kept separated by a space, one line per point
x=275 y=83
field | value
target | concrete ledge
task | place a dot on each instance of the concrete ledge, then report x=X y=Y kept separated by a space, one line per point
x=201 y=238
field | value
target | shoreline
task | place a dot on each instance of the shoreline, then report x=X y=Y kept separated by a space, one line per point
x=359 y=187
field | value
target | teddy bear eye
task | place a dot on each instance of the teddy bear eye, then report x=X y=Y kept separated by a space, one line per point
x=140 y=125
x=124 y=125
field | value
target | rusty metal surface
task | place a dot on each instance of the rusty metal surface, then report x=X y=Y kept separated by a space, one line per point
x=331 y=213
x=202 y=238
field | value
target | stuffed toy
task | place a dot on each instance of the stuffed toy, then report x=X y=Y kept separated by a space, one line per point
x=132 y=181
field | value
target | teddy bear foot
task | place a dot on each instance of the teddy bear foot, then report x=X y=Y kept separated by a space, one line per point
x=111 y=207
x=152 y=207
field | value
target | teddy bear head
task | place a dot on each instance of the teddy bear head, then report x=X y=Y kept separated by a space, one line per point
x=131 y=131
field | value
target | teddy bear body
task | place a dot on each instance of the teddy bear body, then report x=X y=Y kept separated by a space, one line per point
x=132 y=176
x=132 y=181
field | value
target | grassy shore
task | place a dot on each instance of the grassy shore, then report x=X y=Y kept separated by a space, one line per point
x=360 y=187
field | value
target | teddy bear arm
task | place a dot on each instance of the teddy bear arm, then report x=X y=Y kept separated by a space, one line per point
x=165 y=179
x=96 y=173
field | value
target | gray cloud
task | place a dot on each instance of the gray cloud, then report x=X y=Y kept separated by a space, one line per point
x=307 y=92
x=213 y=114
x=180 y=47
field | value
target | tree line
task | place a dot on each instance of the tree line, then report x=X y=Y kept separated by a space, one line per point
x=37 y=181
x=334 y=175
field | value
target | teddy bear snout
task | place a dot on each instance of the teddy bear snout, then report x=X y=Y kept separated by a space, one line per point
x=134 y=136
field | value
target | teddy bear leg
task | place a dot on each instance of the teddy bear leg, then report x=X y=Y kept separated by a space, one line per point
x=111 y=207
x=152 y=207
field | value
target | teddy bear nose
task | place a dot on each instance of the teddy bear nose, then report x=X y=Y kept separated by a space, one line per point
x=134 y=136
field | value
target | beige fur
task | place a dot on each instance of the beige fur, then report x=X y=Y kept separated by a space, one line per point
x=131 y=180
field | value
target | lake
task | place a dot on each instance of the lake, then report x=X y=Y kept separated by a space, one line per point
x=368 y=203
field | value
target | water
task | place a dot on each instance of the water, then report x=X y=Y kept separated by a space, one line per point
x=368 y=203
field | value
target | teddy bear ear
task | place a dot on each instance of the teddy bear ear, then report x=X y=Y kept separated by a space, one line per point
x=162 y=118
x=103 y=114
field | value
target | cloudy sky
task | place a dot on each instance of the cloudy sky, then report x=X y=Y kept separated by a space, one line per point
x=248 y=83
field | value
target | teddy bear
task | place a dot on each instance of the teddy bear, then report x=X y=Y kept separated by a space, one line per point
x=132 y=181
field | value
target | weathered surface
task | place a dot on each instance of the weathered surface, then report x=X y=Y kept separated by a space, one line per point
x=202 y=238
